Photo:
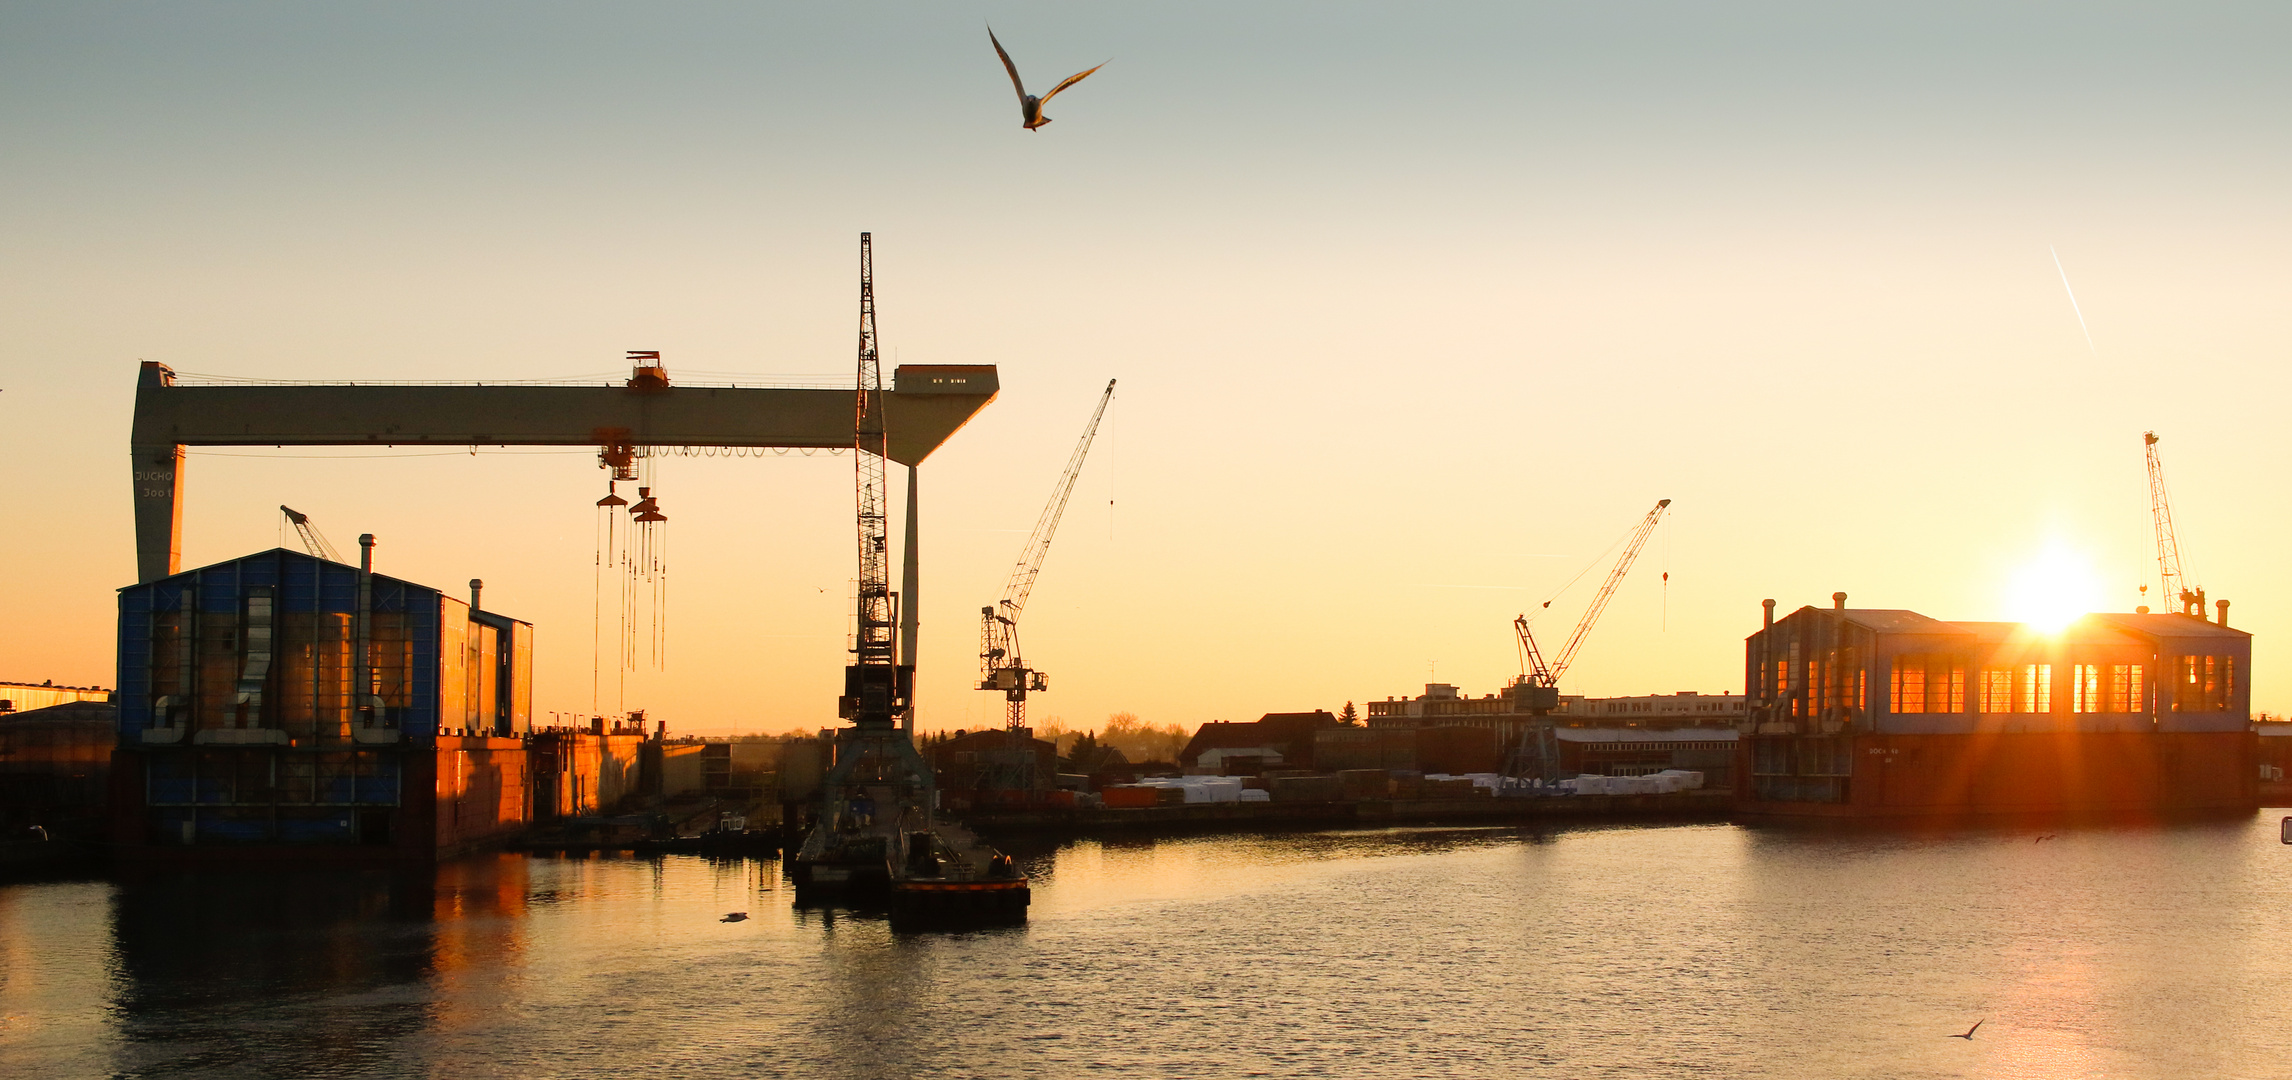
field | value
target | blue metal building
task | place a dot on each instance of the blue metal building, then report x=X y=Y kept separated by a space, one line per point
x=282 y=699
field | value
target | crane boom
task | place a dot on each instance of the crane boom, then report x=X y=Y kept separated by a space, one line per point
x=2168 y=545
x=1537 y=673
x=313 y=541
x=1001 y=667
x=1607 y=589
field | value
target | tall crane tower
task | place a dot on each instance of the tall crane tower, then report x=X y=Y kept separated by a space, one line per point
x=2175 y=584
x=880 y=787
x=1001 y=665
x=1538 y=688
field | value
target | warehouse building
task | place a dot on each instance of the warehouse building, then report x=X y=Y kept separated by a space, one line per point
x=1865 y=712
x=284 y=705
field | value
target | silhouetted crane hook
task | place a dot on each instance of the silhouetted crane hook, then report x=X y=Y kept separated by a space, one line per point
x=1030 y=106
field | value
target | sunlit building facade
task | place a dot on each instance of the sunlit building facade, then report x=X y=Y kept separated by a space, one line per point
x=1859 y=711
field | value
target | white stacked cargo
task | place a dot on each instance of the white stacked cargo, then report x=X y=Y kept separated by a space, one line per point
x=1200 y=789
x=1255 y=795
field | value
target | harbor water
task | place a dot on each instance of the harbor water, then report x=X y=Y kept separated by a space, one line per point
x=1659 y=951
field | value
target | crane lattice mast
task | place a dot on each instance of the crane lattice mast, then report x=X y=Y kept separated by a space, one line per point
x=2168 y=545
x=875 y=685
x=313 y=541
x=1001 y=667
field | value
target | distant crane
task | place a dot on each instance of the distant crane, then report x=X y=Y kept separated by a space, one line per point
x=2169 y=572
x=1538 y=688
x=313 y=541
x=1001 y=666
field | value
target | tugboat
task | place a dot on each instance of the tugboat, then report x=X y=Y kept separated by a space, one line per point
x=953 y=881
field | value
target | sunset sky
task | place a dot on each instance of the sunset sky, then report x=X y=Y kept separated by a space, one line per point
x=1416 y=309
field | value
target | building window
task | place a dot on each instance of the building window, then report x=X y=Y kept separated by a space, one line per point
x=1928 y=683
x=1997 y=690
x=2125 y=691
x=2085 y=688
x=1909 y=686
x=2037 y=688
x=2208 y=684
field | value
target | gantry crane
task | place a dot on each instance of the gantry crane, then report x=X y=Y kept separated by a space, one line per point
x=313 y=541
x=1538 y=688
x=1001 y=666
x=2175 y=584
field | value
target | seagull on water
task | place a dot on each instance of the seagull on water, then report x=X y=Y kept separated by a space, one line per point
x=737 y=916
x=1969 y=1035
x=1030 y=106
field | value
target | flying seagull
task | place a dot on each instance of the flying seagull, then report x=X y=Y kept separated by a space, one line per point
x=1030 y=106
x=737 y=916
x=1969 y=1035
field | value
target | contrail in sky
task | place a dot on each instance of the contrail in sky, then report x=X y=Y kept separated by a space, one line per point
x=2073 y=301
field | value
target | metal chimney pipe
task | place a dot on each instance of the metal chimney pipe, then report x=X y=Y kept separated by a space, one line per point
x=364 y=707
x=1769 y=622
x=2223 y=606
x=1838 y=601
x=477 y=589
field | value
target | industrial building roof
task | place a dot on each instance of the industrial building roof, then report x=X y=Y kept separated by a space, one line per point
x=2170 y=624
x=1896 y=621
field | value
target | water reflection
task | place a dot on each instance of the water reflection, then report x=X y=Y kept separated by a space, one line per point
x=1626 y=951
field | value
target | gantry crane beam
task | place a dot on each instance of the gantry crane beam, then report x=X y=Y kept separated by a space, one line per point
x=926 y=405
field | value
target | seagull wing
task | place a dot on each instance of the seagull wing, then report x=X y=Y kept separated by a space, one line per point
x=1070 y=81
x=1011 y=67
x=1977 y=1026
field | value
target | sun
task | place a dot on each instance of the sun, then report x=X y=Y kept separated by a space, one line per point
x=2053 y=588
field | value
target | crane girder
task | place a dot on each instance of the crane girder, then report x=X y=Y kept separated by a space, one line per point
x=926 y=405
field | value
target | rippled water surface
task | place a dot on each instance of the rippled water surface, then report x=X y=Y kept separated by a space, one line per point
x=1621 y=952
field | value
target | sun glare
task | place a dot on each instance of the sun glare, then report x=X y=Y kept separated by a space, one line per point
x=2053 y=588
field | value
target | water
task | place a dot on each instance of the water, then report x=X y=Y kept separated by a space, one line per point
x=1593 y=952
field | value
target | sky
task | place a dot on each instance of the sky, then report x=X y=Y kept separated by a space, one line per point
x=1416 y=309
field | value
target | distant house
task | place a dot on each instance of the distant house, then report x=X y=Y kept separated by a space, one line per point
x=1287 y=734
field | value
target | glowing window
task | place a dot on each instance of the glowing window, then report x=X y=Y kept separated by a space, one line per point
x=2037 y=688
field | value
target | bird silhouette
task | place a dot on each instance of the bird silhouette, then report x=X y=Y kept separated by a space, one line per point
x=1969 y=1035
x=1030 y=106
x=737 y=916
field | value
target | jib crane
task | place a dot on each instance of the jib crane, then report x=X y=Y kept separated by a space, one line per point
x=2175 y=584
x=312 y=540
x=1538 y=688
x=1001 y=666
